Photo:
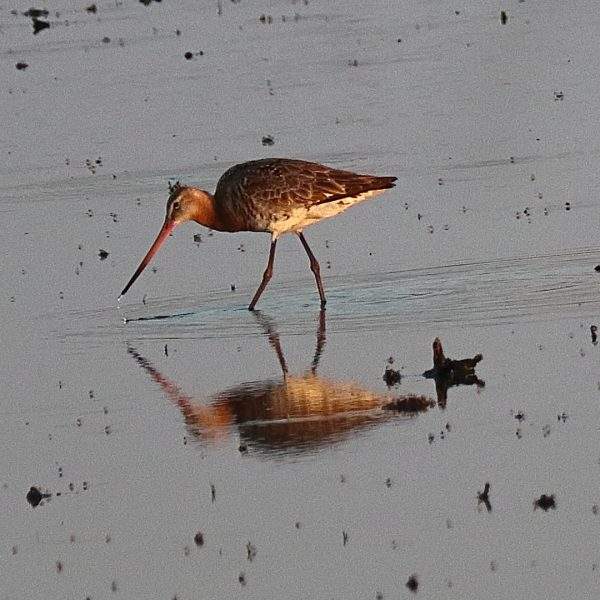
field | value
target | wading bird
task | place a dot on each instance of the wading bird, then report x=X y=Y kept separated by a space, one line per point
x=273 y=195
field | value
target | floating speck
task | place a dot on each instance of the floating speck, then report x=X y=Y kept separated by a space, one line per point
x=412 y=584
x=545 y=502
x=39 y=25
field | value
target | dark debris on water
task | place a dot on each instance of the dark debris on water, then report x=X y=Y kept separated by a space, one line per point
x=189 y=55
x=545 y=502
x=484 y=497
x=39 y=25
x=391 y=376
x=35 y=496
x=413 y=583
x=36 y=12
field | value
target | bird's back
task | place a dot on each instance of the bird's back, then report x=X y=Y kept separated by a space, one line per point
x=254 y=195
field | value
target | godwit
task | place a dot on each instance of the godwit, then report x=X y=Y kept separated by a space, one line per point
x=273 y=195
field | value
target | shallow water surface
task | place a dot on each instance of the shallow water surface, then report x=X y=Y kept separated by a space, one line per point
x=192 y=448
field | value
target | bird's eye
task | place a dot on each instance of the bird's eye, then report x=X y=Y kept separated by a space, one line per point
x=176 y=205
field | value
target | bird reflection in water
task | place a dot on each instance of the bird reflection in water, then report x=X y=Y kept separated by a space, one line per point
x=447 y=372
x=291 y=414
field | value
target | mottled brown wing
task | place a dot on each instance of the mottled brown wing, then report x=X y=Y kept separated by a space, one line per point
x=252 y=193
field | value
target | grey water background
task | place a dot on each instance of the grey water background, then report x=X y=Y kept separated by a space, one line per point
x=489 y=241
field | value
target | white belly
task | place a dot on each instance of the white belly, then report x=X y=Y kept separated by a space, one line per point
x=301 y=217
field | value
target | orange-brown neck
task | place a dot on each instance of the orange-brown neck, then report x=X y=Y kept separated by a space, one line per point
x=202 y=208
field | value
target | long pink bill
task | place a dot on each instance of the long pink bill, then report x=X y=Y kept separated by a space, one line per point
x=163 y=234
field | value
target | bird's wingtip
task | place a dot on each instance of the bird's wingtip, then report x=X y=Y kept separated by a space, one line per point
x=388 y=182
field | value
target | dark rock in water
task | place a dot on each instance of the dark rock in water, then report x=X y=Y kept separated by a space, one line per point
x=21 y=66
x=545 y=502
x=443 y=365
x=199 y=539
x=268 y=140
x=92 y=8
x=188 y=56
x=39 y=26
x=409 y=404
x=448 y=372
x=503 y=17
x=412 y=584
x=103 y=254
x=36 y=12
x=35 y=496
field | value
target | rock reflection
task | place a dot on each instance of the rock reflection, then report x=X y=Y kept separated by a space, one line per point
x=294 y=413
x=448 y=372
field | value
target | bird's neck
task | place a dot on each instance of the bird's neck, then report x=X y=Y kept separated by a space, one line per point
x=204 y=210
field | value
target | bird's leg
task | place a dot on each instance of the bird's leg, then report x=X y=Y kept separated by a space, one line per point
x=273 y=336
x=266 y=275
x=314 y=267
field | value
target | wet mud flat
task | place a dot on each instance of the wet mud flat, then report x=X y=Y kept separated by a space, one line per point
x=180 y=446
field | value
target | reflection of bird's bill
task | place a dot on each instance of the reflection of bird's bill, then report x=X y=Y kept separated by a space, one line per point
x=213 y=421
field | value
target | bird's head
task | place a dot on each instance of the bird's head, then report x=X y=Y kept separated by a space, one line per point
x=184 y=204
